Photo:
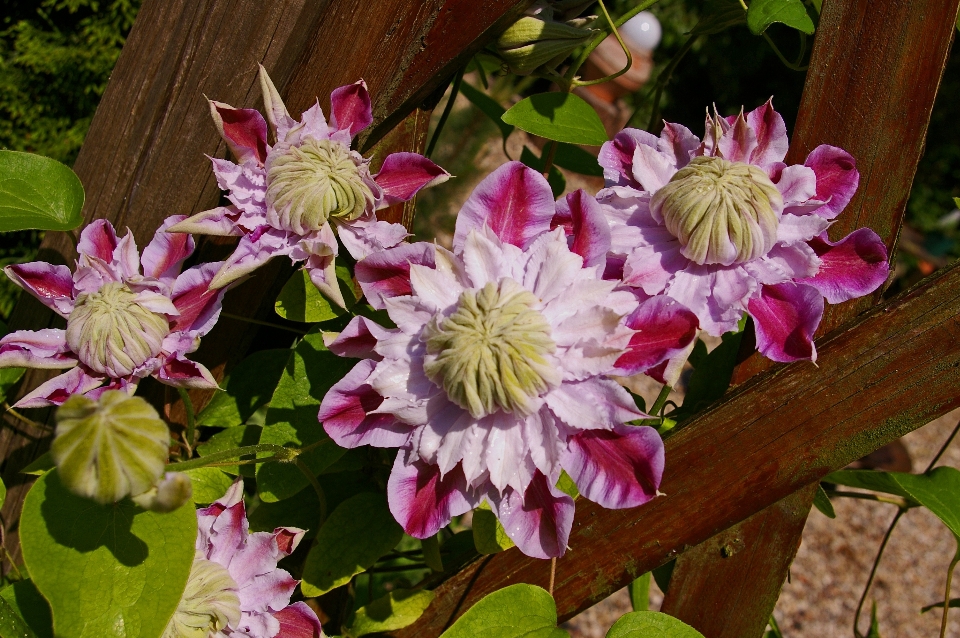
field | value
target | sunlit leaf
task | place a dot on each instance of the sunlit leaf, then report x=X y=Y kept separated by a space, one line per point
x=301 y=301
x=396 y=610
x=793 y=13
x=651 y=624
x=489 y=537
x=209 y=484
x=230 y=439
x=938 y=491
x=639 y=591
x=38 y=192
x=558 y=116
x=516 y=611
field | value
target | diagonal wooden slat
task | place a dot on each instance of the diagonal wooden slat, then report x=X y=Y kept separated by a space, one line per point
x=732 y=596
x=875 y=381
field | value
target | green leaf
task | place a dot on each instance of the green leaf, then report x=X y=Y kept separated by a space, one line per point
x=302 y=512
x=301 y=301
x=719 y=15
x=38 y=192
x=247 y=388
x=209 y=484
x=24 y=613
x=9 y=378
x=431 y=553
x=558 y=116
x=954 y=603
x=107 y=570
x=874 y=625
x=822 y=502
x=763 y=13
x=558 y=183
x=489 y=537
x=566 y=485
x=231 y=439
x=938 y=491
x=396 y=610
x=774 y=631
x=516 y=611
x=663 y=574
x=651 y=624
x=353 y=538
x=488 y=106
x=875 y=480
x=43 y=463
x=639 y=591
x=292 y=417
x=711 y=375
x=574 y=158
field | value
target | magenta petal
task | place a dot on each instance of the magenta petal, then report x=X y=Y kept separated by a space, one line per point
x=287 y=539
x=616 y=156
x=183 y=373
x=616 y=469
x=345 y=413
x=852 y=267
x=58 y=389
x=358 y=339
x=738 y=142
x=350 y=108
x=45 y=348
x=539 y=522
x=52 y=285
x=664 y=328
x=253 y=251
x=386 y=274
x=837 y=178
x=421 y=500
x=678 y=143
x=99 y=240
x=514 y=201
x=298 y=621
x=786 y=317
x=771 y=132
x=403 y=175
x=199 y=306
x=164 y=255
x=588 y=232
x=244 y=131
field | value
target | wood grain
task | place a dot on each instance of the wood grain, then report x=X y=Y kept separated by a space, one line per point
x=874 y=382
x=882 y=59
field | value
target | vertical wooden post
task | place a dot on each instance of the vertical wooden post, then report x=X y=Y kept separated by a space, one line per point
x=873 y=77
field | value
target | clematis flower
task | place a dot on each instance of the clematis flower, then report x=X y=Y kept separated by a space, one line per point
x=286 y=199
x=235 y=589
x=494 y=379
x=725 y=227
x=128 y=317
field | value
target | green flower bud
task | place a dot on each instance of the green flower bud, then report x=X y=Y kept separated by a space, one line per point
x=109 y=448
x=112 y=333
x=309 y=184
x=173 y=490
x=722 y=212
x=209 y=604
x=492 y=352
x=531 y=42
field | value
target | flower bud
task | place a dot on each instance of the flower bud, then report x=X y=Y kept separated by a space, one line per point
x=110 y=448
x=112 y=333
x=173 y=490
x=722 y=212
x=531 y=42
x=309 y=184
x=210 y=603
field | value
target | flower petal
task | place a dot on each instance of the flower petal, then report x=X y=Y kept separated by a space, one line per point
x=738 y=142
x=45 y=348
x=244 y=131
x=539 y=522
x=403 y=175
x=58 y=389
x=786 y=317
x=594 y=404
x=616 y=156
x=514 y=201
x=421 y=500
x=616 y=469
x=298 y=621
x=771 y=133
x=651 y=168
x=837 y=178
x=588 y=232
x=198 y=303
x=219 y=221
x=52 y=285
x=663 y=327
x=364 y=237
x=358 y=339
x=345 y=413
x=274 y=107
x=852 y=267
x=99 y=240
x=386 y=274
x=678 y=143
x=164 y=255
x=350 y=108
x=253 y=251
x=183 y=373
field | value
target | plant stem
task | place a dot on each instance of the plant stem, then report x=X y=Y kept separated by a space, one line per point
x=787 y=63
x=281 y=452
x=946 y=594
x=551 y=151
x=229 y=315
x=454 y=91
x=873 y=571
x=626 y=49
x=553 y=573
x=943 y=448
x=881 y=498
x=23 y=419
x=661 y=401
x=190 y=435
x=587 y=50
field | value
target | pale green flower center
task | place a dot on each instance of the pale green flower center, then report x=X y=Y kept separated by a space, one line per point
x=309 y=184
x=209 y=604
x=113 y=334
x=722 y=212
x=493 y=351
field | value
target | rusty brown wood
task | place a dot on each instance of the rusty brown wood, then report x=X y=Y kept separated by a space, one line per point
x=908 y=44
x=875 y=381
x=144 y=156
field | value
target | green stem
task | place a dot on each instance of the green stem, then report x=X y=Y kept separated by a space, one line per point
x=282 y=453
x=946 y=594
x=190 y=436
x=551 y=151
x=873 y=571
x=661 y=400
x=626 y=50
x=943 y=448
x=316 y=488
x=587 y=50
x=229 y=315
x=880 y=498
x=787 y=63
x=454 y=91
x=23 y=419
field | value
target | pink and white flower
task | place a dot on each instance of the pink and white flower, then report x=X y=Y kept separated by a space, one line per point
x=725 y=227
x=286 y=199
x=128 y=317
x=494 y=379
x=235 y=588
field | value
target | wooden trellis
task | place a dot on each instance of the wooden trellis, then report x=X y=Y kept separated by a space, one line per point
x=741 y=472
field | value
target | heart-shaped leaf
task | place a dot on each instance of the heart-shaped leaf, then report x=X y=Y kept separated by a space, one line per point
x=763 y=13
x=516 y=611
x=301 y=301
x=107 y=570
x=558 y=116
x=651 y=624
x=38 y=192
x=396 y=610
x=209 y=484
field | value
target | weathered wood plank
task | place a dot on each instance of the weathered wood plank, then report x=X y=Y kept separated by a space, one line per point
x=776 y=434
x=908 y=44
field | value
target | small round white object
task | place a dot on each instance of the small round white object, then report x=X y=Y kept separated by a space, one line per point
x=642 y=31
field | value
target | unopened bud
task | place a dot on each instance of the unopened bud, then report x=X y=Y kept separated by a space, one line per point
x=531 y=42
x=210 y=604
x=173 y=490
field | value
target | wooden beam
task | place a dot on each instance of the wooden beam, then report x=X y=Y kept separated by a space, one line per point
x=875 y=380
x=897 y=81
